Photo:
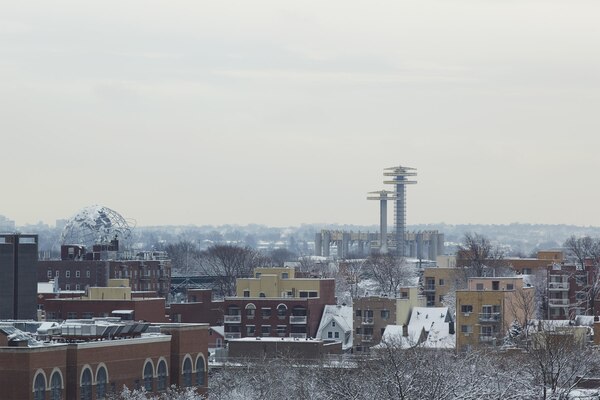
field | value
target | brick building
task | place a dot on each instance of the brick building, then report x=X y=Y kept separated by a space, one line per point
x=199 y=307
x=147 y=271
x=114 y=300
x=567 y=291
x=272 y=347
x=82 y=368
x=374 y=313
x=488 y=307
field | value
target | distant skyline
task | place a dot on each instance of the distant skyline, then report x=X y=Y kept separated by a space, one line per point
x=283 y=113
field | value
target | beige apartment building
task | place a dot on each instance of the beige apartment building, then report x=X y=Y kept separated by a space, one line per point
x=488 y=307
x=282 y=282
x=374 y=313
x=438 y=282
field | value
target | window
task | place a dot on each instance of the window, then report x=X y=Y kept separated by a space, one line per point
x=67 y=274
x=71 y=315
x=101 y=381
x=479 y=286
x=257 y=275
x=265 y=330
x=329 y=335
x=510 y=286
x=246 y=293
x=281 y=311
x=441 y=282
x=466 y=328
x=148 y=376
x=358 y=313
x=87 y=274
x=526 y=271
x=77 y=274
x=57 y=274
x=87 y=315
x=333 y=324
x=358 y=331
x=200 y=371
x=187 y=372
x=495 y=285
x=581 y=280
x=49 y=273
x=162 y=376
x=404 y=295
x=281 y=330
x=580 y=296
x=262 y=294
x=250 y=310
x=466 y=308
x=39 y=387
x=336 y=335
x=265 y=312
x=385 y=314
x=77 y=287
x=86 y=384
x=284 y=275
x=250 y=329
x=67 y=286
x=56 y=386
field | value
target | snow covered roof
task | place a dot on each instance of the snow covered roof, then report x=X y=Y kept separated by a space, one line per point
x=342 y=315
x=428 y=327
x=220 y=330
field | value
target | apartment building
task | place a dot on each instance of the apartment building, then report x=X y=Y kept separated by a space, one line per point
x=567 y=291
x=488 y=307
x=373 y=314
x=276 y=303
x=438 y=282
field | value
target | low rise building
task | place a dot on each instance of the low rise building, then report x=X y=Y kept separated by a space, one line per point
x=488 y=307
x=374 y=313
x=336 y=325
x=92 y=359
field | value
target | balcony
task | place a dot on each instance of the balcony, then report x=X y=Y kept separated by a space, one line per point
x=232 y=319
x=298 y=335
x=487 y=338
x=298 y=319
x=233 y=335
x=558 y=286
x=558 y=302
x=489 y=317
x=367 y=338
x=367 y=321
x=429 y=288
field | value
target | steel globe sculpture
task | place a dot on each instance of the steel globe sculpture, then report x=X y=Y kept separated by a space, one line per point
x=96 y=225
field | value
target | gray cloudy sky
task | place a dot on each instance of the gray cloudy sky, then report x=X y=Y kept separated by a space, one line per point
x=281 y=112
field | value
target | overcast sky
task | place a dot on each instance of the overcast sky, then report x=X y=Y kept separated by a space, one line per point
x=281 y=112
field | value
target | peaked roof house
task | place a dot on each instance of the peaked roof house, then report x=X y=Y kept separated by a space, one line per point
x=429 y=327
x=336 y=324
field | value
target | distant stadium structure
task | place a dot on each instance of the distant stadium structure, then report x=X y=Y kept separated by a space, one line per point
x=96 y=225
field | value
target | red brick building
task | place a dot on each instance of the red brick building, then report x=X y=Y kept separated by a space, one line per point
x=280 y=317
x=135 y=309
x=143 y=275
x=199 y=307
x=92 y=369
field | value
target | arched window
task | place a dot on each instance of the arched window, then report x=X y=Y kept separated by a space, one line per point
x=250 y=310
x=200 y=369
x=101 y=382
x=39 y=387
x=148 y=376
x=187 y=372
x=56 y=386
x=162 y=375
x=86 y=384
x=281 y=311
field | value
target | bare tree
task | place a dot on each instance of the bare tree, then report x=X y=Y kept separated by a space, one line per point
x=390 y=272
x=227 y=263
x=478 y=254
x=585 y=250
x=185 y=257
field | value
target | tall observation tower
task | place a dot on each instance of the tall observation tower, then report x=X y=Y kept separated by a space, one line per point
x=383 y=196
x=400 y=178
